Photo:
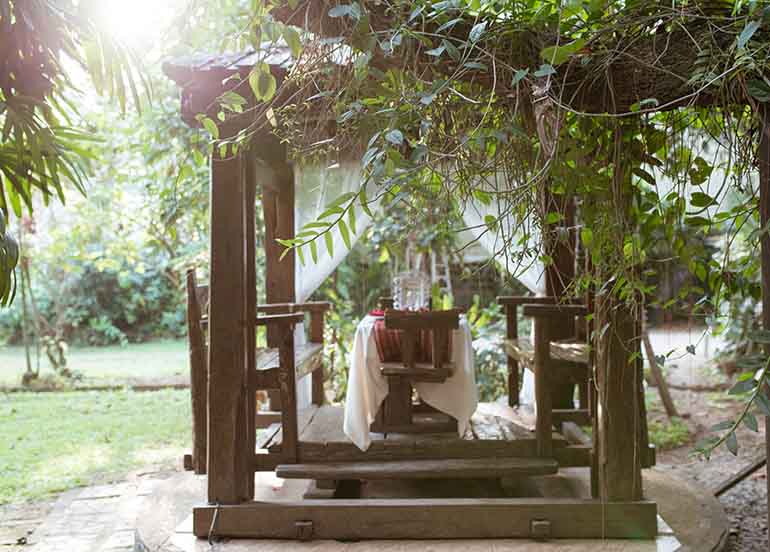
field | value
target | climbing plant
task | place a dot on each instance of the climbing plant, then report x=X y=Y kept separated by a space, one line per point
x=646 y=112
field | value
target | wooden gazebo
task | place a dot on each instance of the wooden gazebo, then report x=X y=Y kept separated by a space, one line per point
x=309 y=443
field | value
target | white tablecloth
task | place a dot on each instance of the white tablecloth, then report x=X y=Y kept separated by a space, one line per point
x=367 y=387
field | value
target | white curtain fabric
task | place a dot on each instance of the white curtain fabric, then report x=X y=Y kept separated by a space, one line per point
x=513 y=242
x=316 y=186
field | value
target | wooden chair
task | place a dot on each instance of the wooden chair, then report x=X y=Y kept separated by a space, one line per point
x=398 y=414
x=570 y=354
x=271 y=363
x=557 y=363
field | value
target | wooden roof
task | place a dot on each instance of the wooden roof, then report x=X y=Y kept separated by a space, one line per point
x=202 y=78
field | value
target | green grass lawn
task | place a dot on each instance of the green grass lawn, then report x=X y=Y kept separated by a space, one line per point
x=50 y=442
x=142 y=360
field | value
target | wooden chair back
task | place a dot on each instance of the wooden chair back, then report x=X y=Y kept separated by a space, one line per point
x=412 y=324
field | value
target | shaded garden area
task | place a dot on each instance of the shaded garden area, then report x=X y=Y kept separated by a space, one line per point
x=490 y=135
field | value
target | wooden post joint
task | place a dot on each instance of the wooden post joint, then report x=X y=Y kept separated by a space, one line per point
x=304 y=530
x=540 y=529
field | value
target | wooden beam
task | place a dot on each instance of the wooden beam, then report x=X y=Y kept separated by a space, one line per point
x=277 y=183
x=451 y=468
x=229 y=461
x=354 y=519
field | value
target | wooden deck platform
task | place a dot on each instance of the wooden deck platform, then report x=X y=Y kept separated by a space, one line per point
x=322 y=441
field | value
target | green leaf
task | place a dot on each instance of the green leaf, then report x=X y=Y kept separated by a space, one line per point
x=556 y=55
x=350 y=10
x=721 y=426
x=262 y=82
x=491 y=222
x=750 y=421
x=436 y=52
x=352 y=218
x=699 y=199
x=301 y=256
x=545 y=70
x=763 y=404
x=732 y=443
x=395 y=137
x=345 y=234
x=211 y=127
x=747 y=32
x=365 y=203
x=758 y=89
x=586 y=236
x=518 y=76
x=294 y=41
x=477 y=31
x=329 y=243
x=742 y=387
x=314 y=252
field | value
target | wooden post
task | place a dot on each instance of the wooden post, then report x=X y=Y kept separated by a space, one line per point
x=764 y=218
x=229 y=460
x=317 y=336
x=512 y=330
x=617 y=441
x=198 y=375
x=543 y=388
x=278 y=208
x=277 y=184
x=560 y=245
x=288 y=388
x=250 y=335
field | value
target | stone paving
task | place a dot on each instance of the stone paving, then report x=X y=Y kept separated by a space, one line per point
x=96 y=519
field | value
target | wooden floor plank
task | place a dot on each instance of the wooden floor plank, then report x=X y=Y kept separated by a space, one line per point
x=322 y=440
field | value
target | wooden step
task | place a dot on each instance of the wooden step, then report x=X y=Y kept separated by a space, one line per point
x=455 y=468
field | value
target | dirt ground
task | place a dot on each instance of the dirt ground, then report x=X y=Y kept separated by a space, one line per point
x=746 y=503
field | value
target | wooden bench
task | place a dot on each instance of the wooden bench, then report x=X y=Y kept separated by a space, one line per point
x=571 y=353
x=306 y=359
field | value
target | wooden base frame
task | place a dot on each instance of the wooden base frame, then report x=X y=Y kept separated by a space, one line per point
x=354 y=519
